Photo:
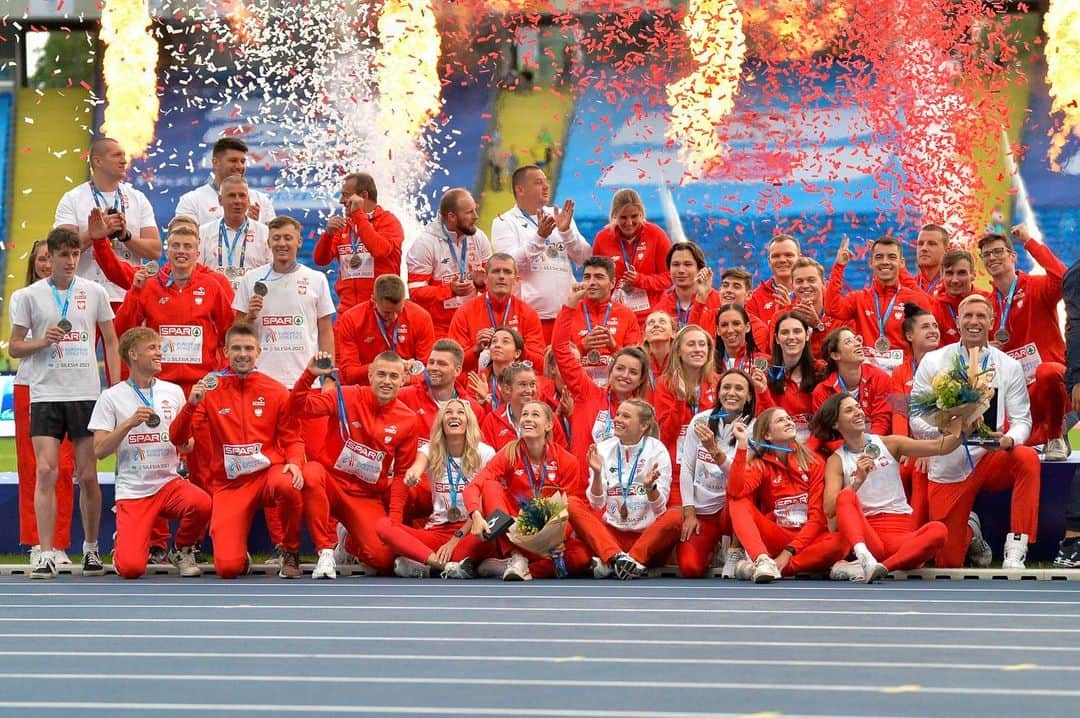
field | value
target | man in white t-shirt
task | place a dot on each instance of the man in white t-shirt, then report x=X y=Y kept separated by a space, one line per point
x=132 y=420
x=62 y=314
x=129 y=218
x=290 y=305
x=228 y=158
x=543 y=240
x=234 y=243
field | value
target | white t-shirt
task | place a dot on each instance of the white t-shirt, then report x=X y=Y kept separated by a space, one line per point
x=26 y=364
x=252 y=247
x=545 y=265
x=203 y=203
x=289 y=321
x=146 y=460
x=74 y=209
x=440 y=488
x=68 y=370
x=883 y=490
x=702 y=482
x=636 y=460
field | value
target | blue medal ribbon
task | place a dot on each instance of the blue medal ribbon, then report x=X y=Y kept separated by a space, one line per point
x=461 y=261
x=883 y=318
x=391 y=337
x=588 y=318
x=529 y=217
x=495 y=403
x=224 y=243
x=455 y=482
x=625 y=488
x=774 y=447
x=533 y=487
x=270 y=271
x=491 y=312
x=142 y=397
x=682 y=318
x=99 y=199
x=343 y=416
x=625 y=257
x=1007 y=302
x=63 y=307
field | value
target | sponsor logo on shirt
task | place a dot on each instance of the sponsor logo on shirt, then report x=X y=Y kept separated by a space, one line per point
x=152 y=437
x=282 y=320
x=180 y=331
x=245 y=450
x=259 y=405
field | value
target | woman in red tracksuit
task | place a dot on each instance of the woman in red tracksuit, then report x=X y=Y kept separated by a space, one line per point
x=864 y=492
x=688 y=384
x=792 y=374
x=532 y=465
x=450 y=460
x=594 y=407
x=777 y=502
x=39 y=267
x=736 y=347
x=659 y=332
x=846 y=371
x=639 y=250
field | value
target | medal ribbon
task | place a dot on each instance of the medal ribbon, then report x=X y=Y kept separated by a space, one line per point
x=270 y=271
x=588 y=319
x=625 y=489
x=883 y=318
x=491 y=312
x=532 y=476
x=343 y=416
x=461 y=261
x=67 y=297
x=391 y=338
x=455 y=483
x=1008 y=303
x=142 y=397
x=224 y=243
x=118 y=199
x=682 y=318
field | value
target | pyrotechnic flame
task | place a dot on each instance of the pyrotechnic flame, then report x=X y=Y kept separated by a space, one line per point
x=245 y=25
x=407 y=68
x=130 y=70
x=793 y=29
x=706 y=96
x=1062 y=27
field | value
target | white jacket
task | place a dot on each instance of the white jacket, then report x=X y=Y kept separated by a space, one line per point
x=545 y=280
x=704 y=484
x=641 y=511
x=1012 y=404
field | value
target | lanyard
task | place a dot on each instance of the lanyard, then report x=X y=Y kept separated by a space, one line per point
x=279 y=274
x=625 y=257
x=463 y=259
x=933 y=283
x=529 y=217
x=142 y=397
x=512 y=421
x=389 y=338
x=224 y=243
x=952 y=313
x=682 y=317
x=1008 y=302
x=610 y=414
x=883 y=318
x=354 y=239
x=625 y=488
x=588 y=319
x=343 y=416
x=455 y=482
x=494 y=394
x=844 y=387
x=67 y=297
x=536 y=489
x=982 y=364
x=491 y=312
x=737 y=361
x=695 y=401
x=99 y=199
x=763 y=445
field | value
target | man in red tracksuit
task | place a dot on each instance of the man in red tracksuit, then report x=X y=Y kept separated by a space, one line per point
x=366 y=243
x=1028 y=330
x=476 y=320
x=370 y=442
x=776 y=294
x=257 y=459
x=957 y=282
x=388 y=322
x=600 y=327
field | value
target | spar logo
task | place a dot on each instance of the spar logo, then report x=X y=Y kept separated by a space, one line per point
x=151 y=437
x=280 y=320
x=180 y=331
x=243 y=450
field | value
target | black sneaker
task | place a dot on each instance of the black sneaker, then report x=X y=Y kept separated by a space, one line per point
x=45 y=568
x=91 y=564
x=1068 y=555
x=158 y=555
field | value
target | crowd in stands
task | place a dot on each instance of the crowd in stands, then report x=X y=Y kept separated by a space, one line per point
x=686 y=418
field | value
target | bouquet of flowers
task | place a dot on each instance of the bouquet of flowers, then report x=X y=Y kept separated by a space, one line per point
x=965 y=389
x=540 y=527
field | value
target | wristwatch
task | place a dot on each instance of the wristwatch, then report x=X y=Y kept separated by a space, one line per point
x=459 y=534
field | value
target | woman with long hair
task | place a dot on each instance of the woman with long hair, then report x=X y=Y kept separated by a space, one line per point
x=792 y=374
x=865 y=494
x=625 y=520
x=451 y=459
x=505 y=348
x=659 y=333
x=530 y=466
x=776 y=501
x=38 y=267
x=639 y=249
x=736 y=347
x=704 y=464
x=688 y=384
x=518 y=384
x=846 y=371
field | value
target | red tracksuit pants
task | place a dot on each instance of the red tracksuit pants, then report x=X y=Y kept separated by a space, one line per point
x=26 y=465
x=313 y=429
x=135 y=518
x=576 y=555
x=235 y=504
x=359 y=515
x=695 y=553
x=760 y=534
x=950 y=504
x=418 y=544
x=894 y=539
x=1049 y=402
x=650 y=547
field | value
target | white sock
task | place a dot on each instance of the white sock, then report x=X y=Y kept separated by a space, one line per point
x=89 y=546
x=861 y=551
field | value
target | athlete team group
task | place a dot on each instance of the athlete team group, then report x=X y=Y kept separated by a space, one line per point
x=762 y=428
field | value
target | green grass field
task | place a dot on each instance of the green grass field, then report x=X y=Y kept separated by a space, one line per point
x=8 y=463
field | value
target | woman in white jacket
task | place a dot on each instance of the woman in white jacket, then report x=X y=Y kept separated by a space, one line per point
x=704 y=463
x=630 y=481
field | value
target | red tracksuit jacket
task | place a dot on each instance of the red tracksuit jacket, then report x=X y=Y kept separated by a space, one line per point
x=647 y=253
x=1033 y=317
x=858 y=307
x=473 y=316
x=358 y=340
x=381 y=236
x=562 y=475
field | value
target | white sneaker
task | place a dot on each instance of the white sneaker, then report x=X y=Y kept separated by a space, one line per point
x=765 y=570
x=1057 y=450
x=460 y=570
x=600 y=569
x=627 y=567
x=44 y=568
x=492 y=567
x=871 y=569
x=847 y=571
x=325 y=566
x=184 y=560
x=744 y=570
x=1016 y=546
x=35 y=554
x=60 y=557
x=731 y=559
x=979 y=554
x=407 y=568
x=517 y=569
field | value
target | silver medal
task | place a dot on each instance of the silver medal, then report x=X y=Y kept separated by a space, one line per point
x=153 y=421
x=151 y=268
x=1001 y=337
x=355 y=261
x=484 y=360
x=552 y=251
x=210 y=381
x=416 y=368
x=872 y=450
x=260 y=288
x=454 y=514
x=64 y=325
x=593 y=357
x=882 y=344
x=761 y=363
x=324 y=363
